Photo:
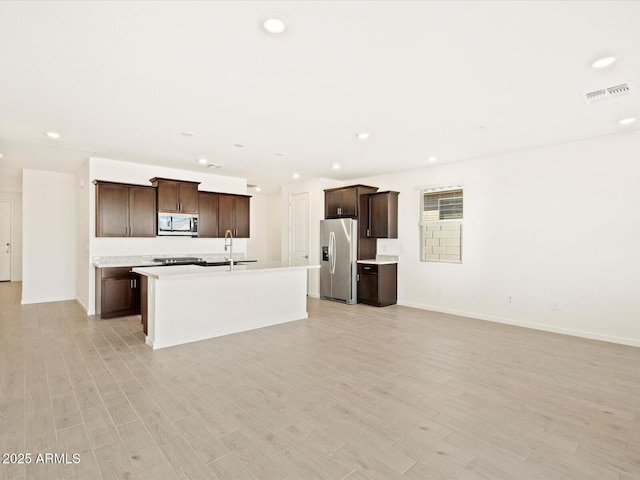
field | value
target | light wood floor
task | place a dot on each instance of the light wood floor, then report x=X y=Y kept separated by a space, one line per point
x=354 y=392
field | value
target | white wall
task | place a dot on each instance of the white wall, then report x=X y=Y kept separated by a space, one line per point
x=550 y=224
x=273 y=231
x=83 y=189
x=316 y=213
x=49 y=236
x=265 y=242
x=11 y=191
x=118 y=171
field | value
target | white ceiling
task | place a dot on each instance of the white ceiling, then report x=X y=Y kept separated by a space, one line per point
x=123 y=80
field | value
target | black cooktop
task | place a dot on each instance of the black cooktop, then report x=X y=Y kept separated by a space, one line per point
x=197 y=261
x=180 y=260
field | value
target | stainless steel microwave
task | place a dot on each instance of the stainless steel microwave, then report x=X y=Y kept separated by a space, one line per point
x=178 y=224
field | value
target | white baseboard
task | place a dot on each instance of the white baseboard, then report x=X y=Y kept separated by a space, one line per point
x=82 y=305
x=535 y=326
x=30 y=301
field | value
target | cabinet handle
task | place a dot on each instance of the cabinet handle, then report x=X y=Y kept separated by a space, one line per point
x=131 y=283
x=367 y=268
x=357 y=277
x=368 y=232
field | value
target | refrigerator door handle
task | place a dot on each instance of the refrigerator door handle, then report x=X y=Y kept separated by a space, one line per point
x=332 y=251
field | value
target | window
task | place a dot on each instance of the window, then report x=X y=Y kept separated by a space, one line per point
x=441 y=224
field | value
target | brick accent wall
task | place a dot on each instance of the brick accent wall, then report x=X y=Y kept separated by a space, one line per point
x=442 y=242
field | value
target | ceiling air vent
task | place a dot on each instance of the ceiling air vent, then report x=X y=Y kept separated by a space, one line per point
x=618 y=90
x=607 y=93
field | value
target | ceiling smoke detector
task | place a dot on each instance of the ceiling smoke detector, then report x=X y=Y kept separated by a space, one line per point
x=607 y=93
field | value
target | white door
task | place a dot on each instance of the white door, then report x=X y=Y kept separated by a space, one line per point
x=5 y=241
x=299 y=229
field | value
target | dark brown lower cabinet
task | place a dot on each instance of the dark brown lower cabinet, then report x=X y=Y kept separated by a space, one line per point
x=117 y=292
x=378 y=284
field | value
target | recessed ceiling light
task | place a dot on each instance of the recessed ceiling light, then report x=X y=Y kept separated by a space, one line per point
x=239 y=145
x=363 y=135
x=275 y=23
x=281 y=154
x=296 y=175
x=432 y=159
x=335 y=166
x=188 y=134
x=627 y=121
x=258 y=188
x=0 y=155
x=202 y=160
x=603 y=62
x=53 y=135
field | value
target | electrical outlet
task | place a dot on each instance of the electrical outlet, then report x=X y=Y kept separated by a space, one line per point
x=509 y=299
x=554 y=305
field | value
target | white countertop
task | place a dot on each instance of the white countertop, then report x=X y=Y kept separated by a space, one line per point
x=375 y=261
x=147 y=260
x=193 y=271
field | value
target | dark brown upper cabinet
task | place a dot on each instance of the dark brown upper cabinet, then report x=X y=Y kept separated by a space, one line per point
x=208 y=215
x=124 y=210
x=176 y=196
x=343 y=202
x=234 y=215
x=382 y=221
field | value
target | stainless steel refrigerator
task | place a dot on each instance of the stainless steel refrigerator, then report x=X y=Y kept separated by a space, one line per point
x=338 y=240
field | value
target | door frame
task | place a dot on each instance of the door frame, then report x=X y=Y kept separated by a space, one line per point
x=290 y=242
x=11 y=235
x=290 y=228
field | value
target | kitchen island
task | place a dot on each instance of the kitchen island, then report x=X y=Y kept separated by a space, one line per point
x=187 y=303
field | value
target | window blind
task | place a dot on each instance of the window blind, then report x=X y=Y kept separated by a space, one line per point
x=442 y=204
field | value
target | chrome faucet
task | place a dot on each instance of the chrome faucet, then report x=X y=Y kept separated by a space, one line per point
x=229 y=235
